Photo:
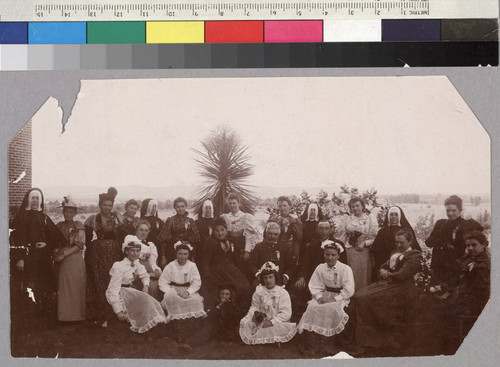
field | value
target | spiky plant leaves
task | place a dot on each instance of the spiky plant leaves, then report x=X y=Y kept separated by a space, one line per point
x=224 y=164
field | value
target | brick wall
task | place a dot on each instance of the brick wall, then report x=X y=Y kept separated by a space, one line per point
x=19 y=161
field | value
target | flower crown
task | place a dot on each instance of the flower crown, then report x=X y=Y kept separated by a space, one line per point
x=332 y=244
x=268 y=267
x=179 y=243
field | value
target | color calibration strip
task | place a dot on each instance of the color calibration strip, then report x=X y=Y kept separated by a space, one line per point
x=213 y=44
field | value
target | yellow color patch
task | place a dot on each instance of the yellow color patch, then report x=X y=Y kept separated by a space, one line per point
x=175 y=32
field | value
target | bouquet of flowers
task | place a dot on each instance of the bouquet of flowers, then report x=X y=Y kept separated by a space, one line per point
x=423 y=279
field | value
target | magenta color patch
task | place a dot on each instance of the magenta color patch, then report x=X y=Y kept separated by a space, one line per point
x=293 y=31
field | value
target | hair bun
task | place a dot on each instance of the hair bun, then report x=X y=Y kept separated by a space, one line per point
x=112 y=192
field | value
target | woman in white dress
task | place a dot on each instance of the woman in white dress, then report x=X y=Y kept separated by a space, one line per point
x=181 y=281
x=242 y=232
x=141 y=310
x=268 y=318
x=331 y=286
x=360 y=232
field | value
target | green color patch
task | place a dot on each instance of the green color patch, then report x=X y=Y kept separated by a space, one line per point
x=116 y=32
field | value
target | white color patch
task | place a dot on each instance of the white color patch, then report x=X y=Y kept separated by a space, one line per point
x=352 y=30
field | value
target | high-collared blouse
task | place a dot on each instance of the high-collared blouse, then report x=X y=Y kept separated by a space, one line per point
x=364 y=224
x=124 y=273
x=179 y=227
x=180 y=274
x=338 y=276
x=274 y=302
x=242 y=224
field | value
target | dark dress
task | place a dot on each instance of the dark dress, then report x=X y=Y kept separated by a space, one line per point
x=473 y=291
x=218 y=267
x=385 y=241
x=444 y=260
x=224 y=321
x=205 y=227
x=378 y=310
x=100 y=256
x=30 y=227
x=177 y=228
x=130 y=224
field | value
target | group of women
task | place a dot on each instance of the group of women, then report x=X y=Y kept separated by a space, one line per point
x=195 y=275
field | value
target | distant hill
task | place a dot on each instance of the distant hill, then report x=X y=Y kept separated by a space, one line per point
x=89 y=194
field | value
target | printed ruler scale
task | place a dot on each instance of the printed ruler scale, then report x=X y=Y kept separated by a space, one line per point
x=113 y=10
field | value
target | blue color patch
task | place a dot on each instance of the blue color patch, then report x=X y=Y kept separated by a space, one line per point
x=411 y=30
x=13 y=33
x=57 y=33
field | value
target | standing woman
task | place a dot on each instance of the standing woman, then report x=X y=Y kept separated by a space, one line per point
x=103 y=232
x=360 y=231
x=205 y=224
x=38 y=235
x=177 y=228
x=130 y=221
x=241 y=232
x=447 y=242
x=72 y=277
x=310 y=218
x=385 y=242
x=149 y=212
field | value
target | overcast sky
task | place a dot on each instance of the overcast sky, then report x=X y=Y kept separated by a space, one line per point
x=397 y=134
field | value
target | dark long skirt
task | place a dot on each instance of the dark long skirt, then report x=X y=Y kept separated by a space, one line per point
x=228 y=273
x=99 y=258
x=380 y=311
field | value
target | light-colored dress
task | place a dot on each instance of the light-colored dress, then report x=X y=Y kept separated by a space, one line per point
x=275 y=303
x=336 y=286
x=360 y=262
x=72 y=275
x=176 y=279
x=141 y=310
x=242 y=225
x=148 y=258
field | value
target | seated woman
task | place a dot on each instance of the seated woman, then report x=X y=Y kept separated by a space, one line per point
x=181 y=281
x=384 y=244
x=219 y=265
x=141 y=310
x=377 y=309
x=224 y=318
x=267 y=318
x=473 y=291
x=331 y=285
x=148 y=257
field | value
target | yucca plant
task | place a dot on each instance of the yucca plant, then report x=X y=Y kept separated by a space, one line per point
x=224 y=165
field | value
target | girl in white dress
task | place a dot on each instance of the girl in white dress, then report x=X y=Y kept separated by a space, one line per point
x=331 y=286
x=181 y=281
x=141 y=310
x=268 y=318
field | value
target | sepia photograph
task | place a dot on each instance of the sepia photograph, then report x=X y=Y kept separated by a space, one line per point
x=250 y=218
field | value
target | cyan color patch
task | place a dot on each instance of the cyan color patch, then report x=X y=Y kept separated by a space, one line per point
x=57 y=33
